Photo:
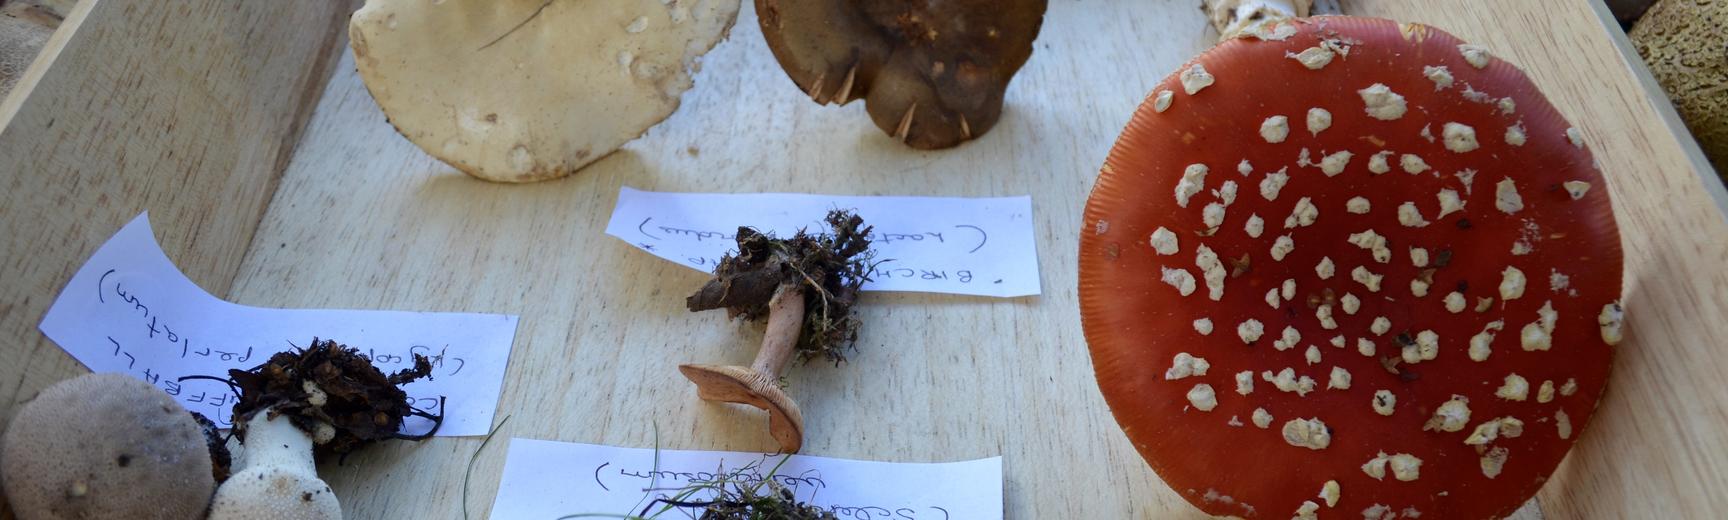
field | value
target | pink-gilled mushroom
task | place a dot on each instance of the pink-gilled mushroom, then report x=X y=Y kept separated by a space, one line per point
x=107 y=446
x=1361 y=269
x=805 y=286
x=931 y=74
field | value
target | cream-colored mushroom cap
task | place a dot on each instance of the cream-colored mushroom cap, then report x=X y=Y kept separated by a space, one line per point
x=105 y=446
x=528 y=90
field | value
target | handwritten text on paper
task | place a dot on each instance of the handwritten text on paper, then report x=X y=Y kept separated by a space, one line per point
x=548 y=480
x=130 y=310
x=977 y=246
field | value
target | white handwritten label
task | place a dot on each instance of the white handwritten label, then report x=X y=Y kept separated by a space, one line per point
x=130 y=310
x=548 y=480
x=977 y=246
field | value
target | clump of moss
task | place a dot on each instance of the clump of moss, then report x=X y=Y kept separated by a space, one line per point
x=831 y=266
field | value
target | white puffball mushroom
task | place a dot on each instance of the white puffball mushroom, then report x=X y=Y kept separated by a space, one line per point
x=275 y=477
x=523 y=91
x=105 y=446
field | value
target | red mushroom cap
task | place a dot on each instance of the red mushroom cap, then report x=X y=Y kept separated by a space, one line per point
x=1490 y=392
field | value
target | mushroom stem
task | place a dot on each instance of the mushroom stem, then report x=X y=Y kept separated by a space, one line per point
x=758 y=384
x=785 y=321
x=277 y=477
x=276 y=442
x=1233 y=17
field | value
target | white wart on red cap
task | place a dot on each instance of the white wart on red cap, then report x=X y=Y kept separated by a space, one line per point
x=1412 y=282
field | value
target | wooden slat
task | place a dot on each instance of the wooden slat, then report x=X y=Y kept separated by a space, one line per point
x=186 y=109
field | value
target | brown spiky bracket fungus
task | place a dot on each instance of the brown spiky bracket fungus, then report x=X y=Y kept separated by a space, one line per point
x=1350 y=268
x=805 y=286
x=932 y=74
x=326 y=399
x=530 y=90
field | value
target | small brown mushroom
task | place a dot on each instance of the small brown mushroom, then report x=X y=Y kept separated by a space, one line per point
x=1377 y=195
x=758 y=385
x=931 y=74
x=529 y=90
x=106 y=446
x=805 y=285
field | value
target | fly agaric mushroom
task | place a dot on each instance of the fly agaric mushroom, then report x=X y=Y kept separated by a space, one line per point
x=106 y=446
x=1392 y=300
x=1236 y=17
x=931 y=74
x=805 y=286
x=327 y=398
x=529 y=90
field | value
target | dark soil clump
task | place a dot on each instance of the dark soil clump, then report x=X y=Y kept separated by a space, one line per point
x=363 y=404
x=221 y=461
x=830 y=266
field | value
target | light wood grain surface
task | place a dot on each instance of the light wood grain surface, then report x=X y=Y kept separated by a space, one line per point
x=146 y=110
x=360 y=218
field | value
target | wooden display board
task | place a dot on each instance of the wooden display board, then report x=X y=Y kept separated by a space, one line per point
x=274 y=180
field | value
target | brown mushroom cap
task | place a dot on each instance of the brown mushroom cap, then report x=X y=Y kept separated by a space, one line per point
x=106 y=446
x=1531 y=200
x=932 y=74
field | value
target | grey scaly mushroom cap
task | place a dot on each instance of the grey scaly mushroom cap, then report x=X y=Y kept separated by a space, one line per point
x=105 y=446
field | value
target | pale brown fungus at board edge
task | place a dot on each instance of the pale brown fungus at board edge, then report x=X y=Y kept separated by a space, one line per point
x=931 y=74
x=1411 y=355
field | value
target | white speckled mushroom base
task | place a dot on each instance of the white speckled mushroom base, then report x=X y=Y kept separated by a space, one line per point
x=1354 y=270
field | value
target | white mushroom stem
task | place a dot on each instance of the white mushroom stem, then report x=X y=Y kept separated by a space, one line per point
x=1233 y=17
x=276 y=476
x=276 y=443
